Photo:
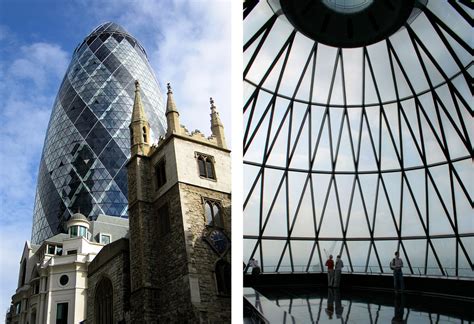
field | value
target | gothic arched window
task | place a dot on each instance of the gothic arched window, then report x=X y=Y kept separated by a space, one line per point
x=103 y=302
x=223 y=277
x=213 y=213
x=206 y=166
x=144 y=135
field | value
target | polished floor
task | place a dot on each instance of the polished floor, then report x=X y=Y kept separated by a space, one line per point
x=330 y=305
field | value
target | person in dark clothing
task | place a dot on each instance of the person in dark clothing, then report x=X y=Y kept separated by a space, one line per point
x=396 y=265
x=330 y=266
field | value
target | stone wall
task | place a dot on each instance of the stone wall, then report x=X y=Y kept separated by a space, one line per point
x=211 y=306
x=172 y=266
x=112 y=262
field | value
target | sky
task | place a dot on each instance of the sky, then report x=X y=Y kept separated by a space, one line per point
x=187 y=42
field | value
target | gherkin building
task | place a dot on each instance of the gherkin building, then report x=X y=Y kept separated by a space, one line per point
x=358 y=135
x=87 y=141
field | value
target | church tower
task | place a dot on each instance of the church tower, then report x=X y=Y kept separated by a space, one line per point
x=143 y=250
x=180 y=222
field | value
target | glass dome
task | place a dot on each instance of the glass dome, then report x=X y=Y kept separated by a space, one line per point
x=347 y=6
x=359 y=151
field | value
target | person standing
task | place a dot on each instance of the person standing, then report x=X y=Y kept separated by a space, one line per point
x=337 y=272
x=255 y=267
x=396 y=265
x=330 y=265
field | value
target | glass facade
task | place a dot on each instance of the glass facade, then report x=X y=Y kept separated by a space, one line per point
x=88 y=142
x=359 y=151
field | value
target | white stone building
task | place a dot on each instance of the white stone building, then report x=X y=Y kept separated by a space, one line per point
x=52 y=284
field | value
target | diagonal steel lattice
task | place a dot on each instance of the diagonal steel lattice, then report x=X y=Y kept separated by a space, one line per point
x=83 y=165
x=359 y=152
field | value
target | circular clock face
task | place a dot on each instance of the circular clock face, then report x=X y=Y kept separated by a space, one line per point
x=219 y=241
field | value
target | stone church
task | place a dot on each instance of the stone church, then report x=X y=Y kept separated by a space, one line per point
x=175 y=265
x=169 y=264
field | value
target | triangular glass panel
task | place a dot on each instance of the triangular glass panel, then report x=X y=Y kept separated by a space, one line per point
x=411 y=223
x=321 y=183
x=400 y=80
x=368 y=185
x=331 y=226
x=344 y=185
x=322 y=159
x=298 y=184
x=370 y=93
x=272 y=250
x=300 y=157
x=359 y=252
x=384 y=223
x=411 y=155
x=353 y=59
x=434 y=152
x=432 y=267
x=304 y=90
x=337 y=92
x=304 y=225
x=297 y=59
x=438 y=219
x=416 y=250
x=276 y=217
x=271 y=82
x=446 y=250
x=357 y=225
x=367 y=155
x=251 y=213
x=325 y=64
x=346 y=153
x=379 y=58
x=301 y=252
x=285 y=264
x=317 y=258
x=389 y=151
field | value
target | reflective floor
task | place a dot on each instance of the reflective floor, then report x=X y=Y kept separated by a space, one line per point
x=328 y=305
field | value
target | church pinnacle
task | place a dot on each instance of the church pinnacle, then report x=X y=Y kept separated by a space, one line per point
x=217 y=127
x=139 y=126
x=172 y=114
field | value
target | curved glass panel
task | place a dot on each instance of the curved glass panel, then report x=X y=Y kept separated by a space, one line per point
x=88 y=142
x=359 y=151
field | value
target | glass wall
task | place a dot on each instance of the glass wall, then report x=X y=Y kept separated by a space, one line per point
x=359 y=151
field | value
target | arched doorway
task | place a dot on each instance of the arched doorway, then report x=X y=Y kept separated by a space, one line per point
x=103 y=302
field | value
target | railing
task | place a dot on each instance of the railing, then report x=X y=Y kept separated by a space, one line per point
x=449 y=272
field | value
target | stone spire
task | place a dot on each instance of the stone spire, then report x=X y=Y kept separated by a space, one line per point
x=217 y=127
x=139 y=126
x=172 y=114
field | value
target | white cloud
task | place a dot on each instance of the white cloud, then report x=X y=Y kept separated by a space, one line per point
x=29 y=83
x=39 y=62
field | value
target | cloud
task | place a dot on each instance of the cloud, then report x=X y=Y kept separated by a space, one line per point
x=28 y=84
x=39 y=63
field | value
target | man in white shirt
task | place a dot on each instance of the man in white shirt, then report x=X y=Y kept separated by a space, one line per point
x=396 y=265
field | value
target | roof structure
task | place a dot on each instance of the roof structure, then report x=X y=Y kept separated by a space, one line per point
x=359 y=150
